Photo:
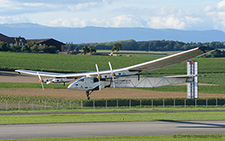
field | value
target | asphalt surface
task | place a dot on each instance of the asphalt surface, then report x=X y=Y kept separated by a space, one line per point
x=111 y=129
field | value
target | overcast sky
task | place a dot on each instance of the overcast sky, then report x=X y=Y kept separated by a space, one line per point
x=158 y=14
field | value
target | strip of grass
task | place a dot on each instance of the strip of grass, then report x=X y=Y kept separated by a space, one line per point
x=30 y=85
x=133 y=138
x=174 y=88
x=108 y=110
x=111 y=117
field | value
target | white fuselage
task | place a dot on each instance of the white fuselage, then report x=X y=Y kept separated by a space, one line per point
x=89 y=83
x=93 y=83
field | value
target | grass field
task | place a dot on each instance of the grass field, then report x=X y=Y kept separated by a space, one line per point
x=212 y=68
x=137 y=138
x=63 y=63
x=111 y=117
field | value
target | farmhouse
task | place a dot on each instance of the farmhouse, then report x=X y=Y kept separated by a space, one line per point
x=22 y=41
x=12 y=40
x=48 y=42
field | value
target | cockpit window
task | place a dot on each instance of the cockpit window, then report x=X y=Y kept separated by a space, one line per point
x=95 y=80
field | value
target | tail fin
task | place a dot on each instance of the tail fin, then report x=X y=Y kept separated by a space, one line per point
x=192 y=87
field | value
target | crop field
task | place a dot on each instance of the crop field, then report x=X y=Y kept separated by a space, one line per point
x=18 y=97
x=212 y=68
x=64 y=63
x=212 y=83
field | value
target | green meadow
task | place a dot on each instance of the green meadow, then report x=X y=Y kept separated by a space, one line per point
x=136 y=138
x=110 y=117
x=213 y=69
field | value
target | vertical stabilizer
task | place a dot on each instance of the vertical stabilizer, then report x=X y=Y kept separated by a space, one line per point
x=192 y=87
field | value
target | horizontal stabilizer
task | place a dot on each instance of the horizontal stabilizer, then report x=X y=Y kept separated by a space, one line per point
x=150 y=82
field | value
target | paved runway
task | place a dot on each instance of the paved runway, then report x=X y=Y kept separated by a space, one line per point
x=111 y=129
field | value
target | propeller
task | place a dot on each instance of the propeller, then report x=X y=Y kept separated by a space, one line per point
x=40 y=80
x=99 y=77
x=112 y=74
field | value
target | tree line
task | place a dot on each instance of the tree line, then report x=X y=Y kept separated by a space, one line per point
x=29 y=47
x=216 y=53
x=157 y=45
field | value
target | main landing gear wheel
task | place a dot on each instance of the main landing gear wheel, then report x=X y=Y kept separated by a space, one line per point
x=88 y=94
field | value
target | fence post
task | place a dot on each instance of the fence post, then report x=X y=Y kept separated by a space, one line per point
x=185 y=103
x=216 y=102
x=129 y=103
x=140 y=103
x=70 y=105
x=32 y=105
x=57 y=105
x=117 y=103
x=6 y=106
x=174 y=103
x=163 y=103
x=81 y=104
x=152 y=104
x=106 y=104
x=206 y=103
x=19 y=105
x=93 y=104
x=195 y=103
x=45 y=104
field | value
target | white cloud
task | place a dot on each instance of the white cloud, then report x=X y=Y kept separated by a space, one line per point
x=7 y=4
x=166 y=22
x=173 y=22
x=221 y=4
x=82 y=6
x=116 y=13
x=125 y=21
x=74 y=22
x=192 y=20
x=33 y=4
x=14 y=19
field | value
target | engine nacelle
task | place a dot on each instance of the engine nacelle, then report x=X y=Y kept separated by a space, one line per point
x=47 y=80
x=57 y=80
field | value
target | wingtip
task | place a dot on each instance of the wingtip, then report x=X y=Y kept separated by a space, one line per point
x=206 y=49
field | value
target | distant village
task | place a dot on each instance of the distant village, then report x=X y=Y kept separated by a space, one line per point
x=50 y=45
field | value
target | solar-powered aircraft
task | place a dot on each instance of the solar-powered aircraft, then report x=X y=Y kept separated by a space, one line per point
x=128 y=76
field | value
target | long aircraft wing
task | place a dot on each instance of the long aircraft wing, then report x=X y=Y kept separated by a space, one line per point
x=141 y=68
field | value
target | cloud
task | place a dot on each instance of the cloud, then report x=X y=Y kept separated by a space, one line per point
x=166 y=22
x=215 y=16
x=74 y=22
x=115 y=13
x=14 y=19
x=8 y=5
x=125 y=21
x=83 y=6
x=173 y=22
x=33 y=4
x=221 y=4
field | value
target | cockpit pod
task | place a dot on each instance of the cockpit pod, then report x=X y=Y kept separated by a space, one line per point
x=88 y=83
